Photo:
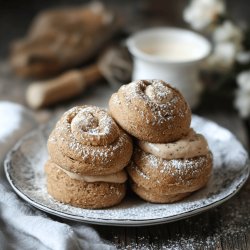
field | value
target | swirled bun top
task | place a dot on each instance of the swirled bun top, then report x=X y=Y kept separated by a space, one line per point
x=91 y=125
x=151 y=110
x=86 y=140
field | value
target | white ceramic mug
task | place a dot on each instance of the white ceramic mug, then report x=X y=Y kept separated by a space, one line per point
x=170 y=54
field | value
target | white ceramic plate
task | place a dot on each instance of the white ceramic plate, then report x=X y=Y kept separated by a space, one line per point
x=24 y=171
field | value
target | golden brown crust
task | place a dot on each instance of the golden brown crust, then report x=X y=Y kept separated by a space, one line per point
x=154 y=197
x=82 y=194
x=86 y=140
x=169 y=177
x=151 y=110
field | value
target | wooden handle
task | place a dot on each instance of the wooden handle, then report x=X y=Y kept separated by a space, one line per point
x=69 y=84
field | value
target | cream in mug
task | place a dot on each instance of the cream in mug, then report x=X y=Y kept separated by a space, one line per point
x=172 y=51
x=172 y=55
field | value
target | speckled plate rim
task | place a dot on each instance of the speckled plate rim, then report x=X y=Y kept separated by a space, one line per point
x=115 y=222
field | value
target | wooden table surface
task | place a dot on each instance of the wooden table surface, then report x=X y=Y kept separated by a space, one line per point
x=224 y=227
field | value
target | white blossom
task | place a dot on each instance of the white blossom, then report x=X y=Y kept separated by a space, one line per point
x=202 y=13
x=242 y=98
x=243 y=80
x=228 y=32
x=227 y=45
x=222 y=58
x=243 y=57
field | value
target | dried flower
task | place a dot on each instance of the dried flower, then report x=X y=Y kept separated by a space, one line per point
x=202 y=13
x=242 y=98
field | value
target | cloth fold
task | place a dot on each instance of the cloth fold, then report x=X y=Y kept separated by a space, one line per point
x=22 y=226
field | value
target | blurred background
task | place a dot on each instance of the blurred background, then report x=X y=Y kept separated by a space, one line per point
x=16 y=16
x=225 y=74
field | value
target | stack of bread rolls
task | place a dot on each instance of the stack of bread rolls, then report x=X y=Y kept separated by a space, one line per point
x=170 y=160
x=89 y=151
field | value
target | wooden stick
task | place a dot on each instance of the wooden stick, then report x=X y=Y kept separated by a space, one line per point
x=67 y=85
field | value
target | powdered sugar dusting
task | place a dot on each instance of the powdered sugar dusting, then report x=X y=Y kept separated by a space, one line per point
x=12 y=115
x=157 y=102
x=88 y=125
x=75 y=134
x=24 y=166
x=179 y=168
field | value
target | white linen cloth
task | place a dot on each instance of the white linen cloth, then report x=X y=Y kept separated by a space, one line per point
x=23 y=227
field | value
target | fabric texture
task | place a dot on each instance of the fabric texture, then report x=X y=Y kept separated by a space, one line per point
x=21 y=225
